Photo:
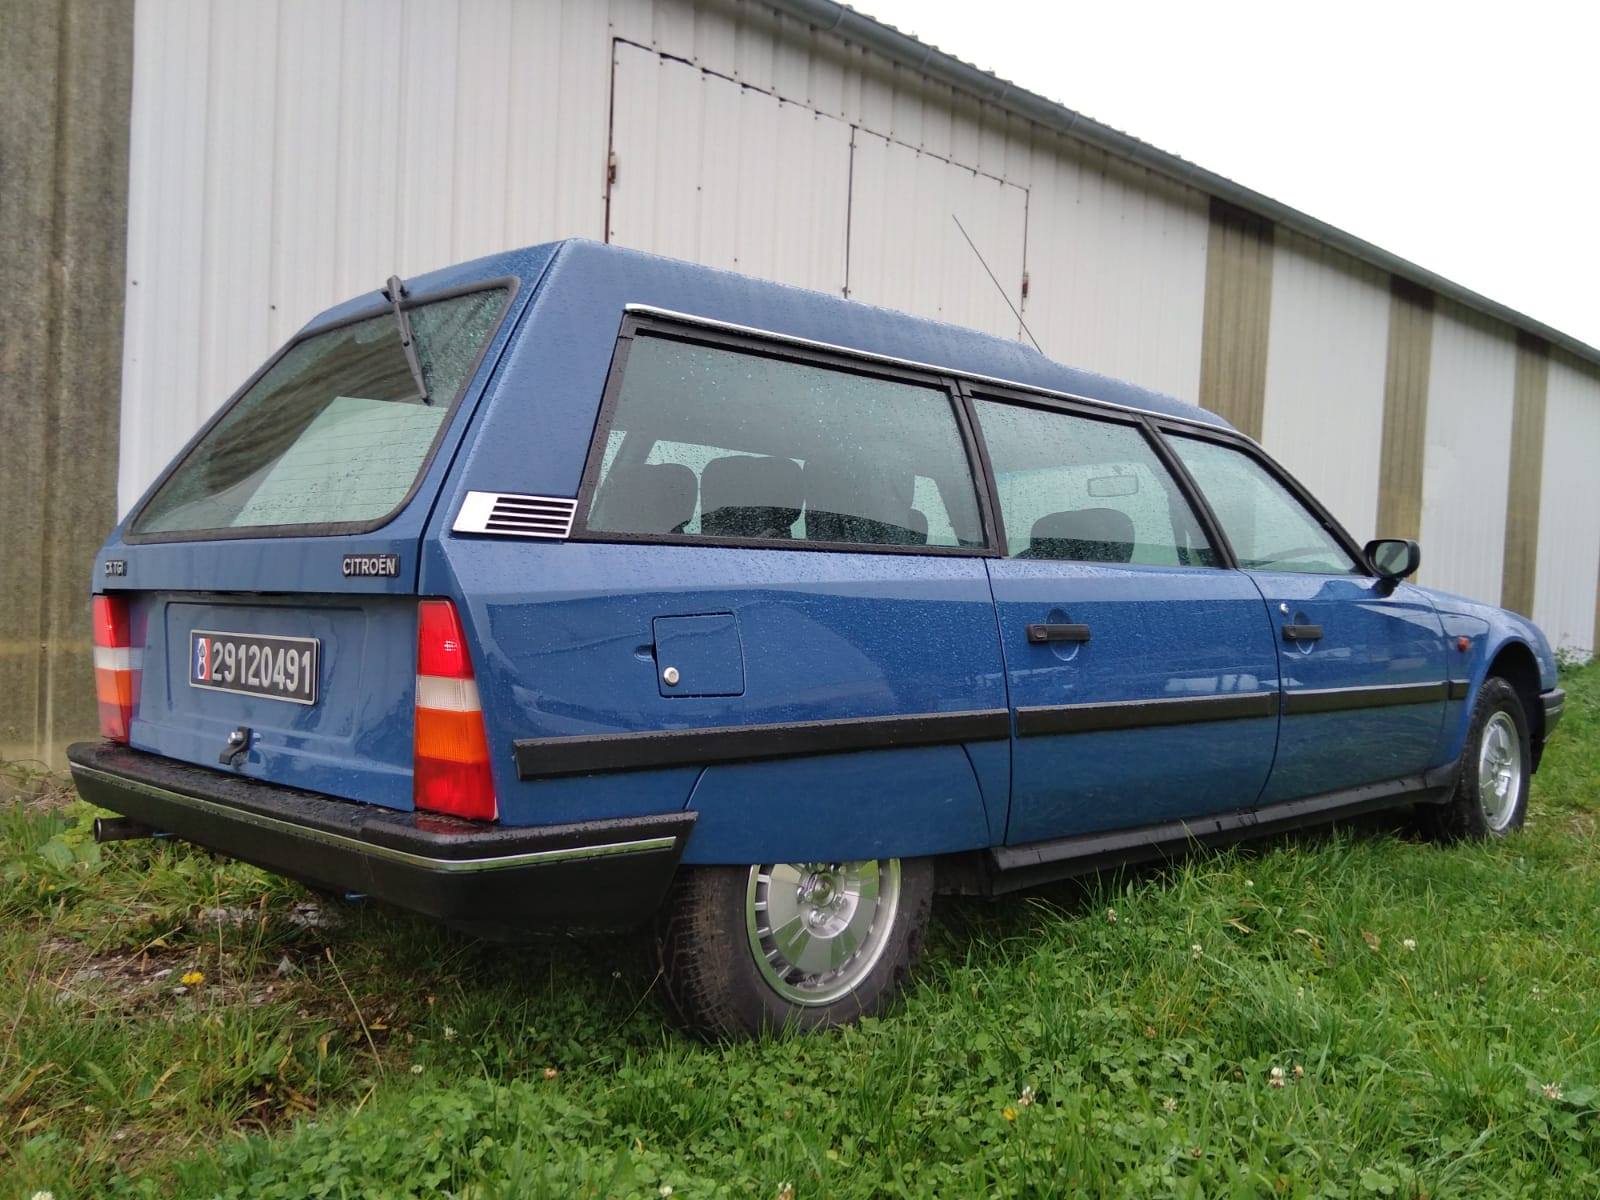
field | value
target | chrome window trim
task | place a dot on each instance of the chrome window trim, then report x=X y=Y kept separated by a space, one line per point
x=446 y=866
x=650 y=310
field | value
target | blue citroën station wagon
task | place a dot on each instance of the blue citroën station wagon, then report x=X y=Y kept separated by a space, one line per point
x=576 y=587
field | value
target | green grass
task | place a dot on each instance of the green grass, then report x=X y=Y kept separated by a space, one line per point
x=377 y=1056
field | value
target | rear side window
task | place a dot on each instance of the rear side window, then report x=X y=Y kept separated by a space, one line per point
x=335 y=432
x=1085 y=490
x=1268 y=528
x=715 y=443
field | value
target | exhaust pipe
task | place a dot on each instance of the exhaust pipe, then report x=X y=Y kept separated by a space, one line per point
x=120 y=829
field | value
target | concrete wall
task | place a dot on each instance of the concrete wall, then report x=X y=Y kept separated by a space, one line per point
x=67 y=68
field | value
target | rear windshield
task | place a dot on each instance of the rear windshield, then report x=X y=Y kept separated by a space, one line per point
x=335 y=432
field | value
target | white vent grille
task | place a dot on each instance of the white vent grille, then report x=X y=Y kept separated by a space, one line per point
x=516 y=516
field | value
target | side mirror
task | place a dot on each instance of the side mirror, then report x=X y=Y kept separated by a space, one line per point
x=1392 y=559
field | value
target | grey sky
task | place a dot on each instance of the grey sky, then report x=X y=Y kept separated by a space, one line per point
x=1464 y=137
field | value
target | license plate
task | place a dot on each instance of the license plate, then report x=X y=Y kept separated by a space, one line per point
x=254 y=664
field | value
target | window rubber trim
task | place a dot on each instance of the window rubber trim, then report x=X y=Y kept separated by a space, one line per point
x=636 y=324
x=511 y=285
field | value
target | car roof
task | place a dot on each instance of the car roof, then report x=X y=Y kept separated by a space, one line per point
x=714 y=295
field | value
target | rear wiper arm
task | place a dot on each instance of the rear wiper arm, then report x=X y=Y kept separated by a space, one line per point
x=393 y=293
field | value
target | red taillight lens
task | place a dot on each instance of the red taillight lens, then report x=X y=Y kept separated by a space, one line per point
x=116 y=674
x=450 y=760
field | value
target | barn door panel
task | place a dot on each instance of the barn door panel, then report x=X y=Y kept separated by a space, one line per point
x=907 y=250
x=706 y=169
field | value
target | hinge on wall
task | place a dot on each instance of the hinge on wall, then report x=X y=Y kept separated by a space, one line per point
x=1024 y=285
x=611 y=168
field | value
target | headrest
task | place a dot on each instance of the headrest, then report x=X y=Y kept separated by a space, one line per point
x=745 y=496
x=854 y=500
x=1083 y=535
x=645 y=498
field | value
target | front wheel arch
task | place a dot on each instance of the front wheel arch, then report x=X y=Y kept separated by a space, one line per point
x=1514 y=662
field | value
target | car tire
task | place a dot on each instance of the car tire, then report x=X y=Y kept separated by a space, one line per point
x=1490 y=799
x=846 y=938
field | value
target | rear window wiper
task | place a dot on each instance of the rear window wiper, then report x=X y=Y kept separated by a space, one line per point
x=393 y=293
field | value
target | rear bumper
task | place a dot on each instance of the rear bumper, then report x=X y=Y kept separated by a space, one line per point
x=506 y=881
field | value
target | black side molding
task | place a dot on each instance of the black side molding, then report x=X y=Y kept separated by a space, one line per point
x=1137 y=714
x=1458 y=689
x=1322 y=700
x=554 y=758
x=1013 y=867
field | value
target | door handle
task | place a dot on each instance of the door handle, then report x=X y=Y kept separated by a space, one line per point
x=1302 y=633
x=1058 y=633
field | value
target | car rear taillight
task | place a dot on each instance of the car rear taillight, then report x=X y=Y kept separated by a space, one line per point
x=116 y=674
x=450 y=770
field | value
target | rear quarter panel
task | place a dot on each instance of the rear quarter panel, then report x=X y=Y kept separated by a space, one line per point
x=563 y=643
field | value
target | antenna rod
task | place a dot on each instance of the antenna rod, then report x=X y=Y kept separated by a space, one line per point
x=996 y=283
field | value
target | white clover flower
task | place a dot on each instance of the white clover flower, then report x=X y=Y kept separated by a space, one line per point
x=449 y=1034
x=1170 y=1104
x=1275 y=1077
x=1196 y=950
x=1409 y=943
x=416 y=1068
x=1026 y=1098
x=1552 y=1091
x=1111 y=915
x=43 y=1196
x=664 y=1190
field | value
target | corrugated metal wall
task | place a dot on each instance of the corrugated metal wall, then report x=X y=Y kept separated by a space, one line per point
x=1564 y=600
x=916 y=257
x=1326 y=359
x=697 y=173
x=1467 y=458
x=287 y=154
x=1117 y=268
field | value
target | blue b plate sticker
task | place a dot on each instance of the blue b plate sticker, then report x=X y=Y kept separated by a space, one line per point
x=254 y=664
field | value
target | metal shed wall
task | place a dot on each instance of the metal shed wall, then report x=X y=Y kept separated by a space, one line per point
x=1117 y=268
x=1466 y=461
x=287 y=155
x=1326 y=353
x=1569 y=511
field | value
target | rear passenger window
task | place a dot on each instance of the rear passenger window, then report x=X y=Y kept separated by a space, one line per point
x=1076 y=488
x=715 y=443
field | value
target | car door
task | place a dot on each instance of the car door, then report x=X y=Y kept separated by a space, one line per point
x=1362 y=661
x=1141 y=673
